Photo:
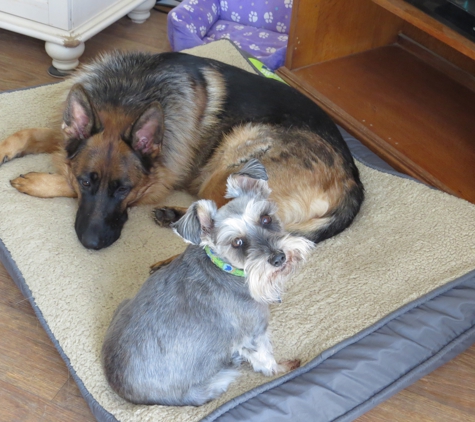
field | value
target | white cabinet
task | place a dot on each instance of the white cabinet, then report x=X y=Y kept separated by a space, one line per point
x=66 y=24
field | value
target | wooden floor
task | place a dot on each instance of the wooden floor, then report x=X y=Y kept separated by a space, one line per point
x=34 y=382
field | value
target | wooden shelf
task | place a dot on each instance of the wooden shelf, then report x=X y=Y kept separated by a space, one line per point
x=429 y=25
x=411 y=106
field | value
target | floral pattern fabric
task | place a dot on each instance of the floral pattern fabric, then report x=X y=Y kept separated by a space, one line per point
x=259 y=27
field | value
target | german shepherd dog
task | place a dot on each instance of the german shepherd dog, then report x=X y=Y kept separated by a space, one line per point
x=136 y=126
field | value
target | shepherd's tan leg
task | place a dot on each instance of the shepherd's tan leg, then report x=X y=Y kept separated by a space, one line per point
x=43 y=185
x=30 y=141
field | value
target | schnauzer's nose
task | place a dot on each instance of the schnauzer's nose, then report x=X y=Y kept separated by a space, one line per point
x=277 y=259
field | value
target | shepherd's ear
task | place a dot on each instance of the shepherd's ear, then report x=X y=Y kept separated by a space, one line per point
x=251 y=179
x=80 y=120
x=197 y=222
x=146 y=133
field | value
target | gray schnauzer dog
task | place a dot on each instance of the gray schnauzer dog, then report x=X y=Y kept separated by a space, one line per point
x=179 y=341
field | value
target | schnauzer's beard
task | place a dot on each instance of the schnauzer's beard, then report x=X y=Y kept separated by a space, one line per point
x=266 y=282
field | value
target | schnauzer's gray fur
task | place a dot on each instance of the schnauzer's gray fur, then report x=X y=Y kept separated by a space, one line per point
x=181 y=338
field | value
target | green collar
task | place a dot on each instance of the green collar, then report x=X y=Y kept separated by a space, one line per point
x=223 y=265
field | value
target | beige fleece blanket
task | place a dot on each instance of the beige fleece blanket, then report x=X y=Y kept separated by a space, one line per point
x=406 y=241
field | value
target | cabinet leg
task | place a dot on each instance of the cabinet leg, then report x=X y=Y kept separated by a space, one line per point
x=142 y=12
x=65 y=59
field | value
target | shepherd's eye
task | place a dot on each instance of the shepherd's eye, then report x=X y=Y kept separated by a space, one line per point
x=122 y=190
x=266 y=219
x=237 y=243
x=86 y=183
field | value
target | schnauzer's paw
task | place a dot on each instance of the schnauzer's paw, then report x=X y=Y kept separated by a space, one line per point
x=289 y=365
x=167 y=215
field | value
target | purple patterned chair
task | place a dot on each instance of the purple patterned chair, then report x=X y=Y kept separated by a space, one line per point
x=259 y=27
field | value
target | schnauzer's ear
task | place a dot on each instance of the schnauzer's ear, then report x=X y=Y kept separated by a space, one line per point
x=80 y=119
x=146 y=134
x=197 y=222
x=251 y=179
x=254 y=169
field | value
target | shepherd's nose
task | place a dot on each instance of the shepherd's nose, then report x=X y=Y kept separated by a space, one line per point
x=91 y=240
x=278 y=259
x=96 y=237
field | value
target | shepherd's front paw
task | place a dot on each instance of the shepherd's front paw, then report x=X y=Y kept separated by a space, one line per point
x=43 y=185
x=168 y=215
x=25 y=183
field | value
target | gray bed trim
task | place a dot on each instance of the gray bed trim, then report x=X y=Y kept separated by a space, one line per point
x=454 y=348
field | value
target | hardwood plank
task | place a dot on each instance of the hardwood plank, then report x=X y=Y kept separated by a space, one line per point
x=28 y=65
x=152 y=34
x=20 y=406
x=54 y=413
x=32 y=359
x=13 y=297
x=16 y=63
x=446 y=394
x=408 y=406
x=34 y=381
x=70 y=399
x=452 y=385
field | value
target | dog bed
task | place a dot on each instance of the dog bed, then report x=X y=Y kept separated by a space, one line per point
x=374 y=309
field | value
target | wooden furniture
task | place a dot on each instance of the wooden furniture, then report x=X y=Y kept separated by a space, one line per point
x=66 y=25
x=395 y=78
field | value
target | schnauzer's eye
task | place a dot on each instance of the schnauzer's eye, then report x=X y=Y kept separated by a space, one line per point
x=266 y=219
x=237 y=243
